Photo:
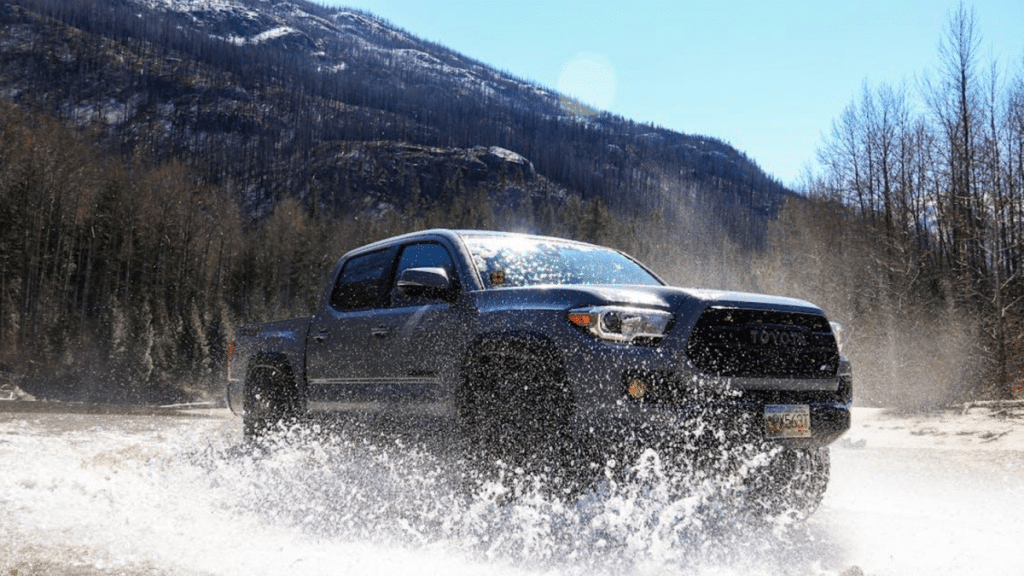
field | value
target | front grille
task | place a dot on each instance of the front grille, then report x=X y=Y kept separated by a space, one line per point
x=742 y=343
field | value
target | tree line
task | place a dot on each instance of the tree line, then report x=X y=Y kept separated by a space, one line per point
x=933 y=179
x=123 y=279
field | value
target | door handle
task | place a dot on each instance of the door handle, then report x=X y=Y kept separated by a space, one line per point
x=382 y=331
x=322 y=337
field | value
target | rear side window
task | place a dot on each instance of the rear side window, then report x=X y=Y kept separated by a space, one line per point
x=363 y=281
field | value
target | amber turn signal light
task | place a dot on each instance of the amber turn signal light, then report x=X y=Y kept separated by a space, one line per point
x=581 y=319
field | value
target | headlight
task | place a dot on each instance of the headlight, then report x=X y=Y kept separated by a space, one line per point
x=620 y=323
x=837 y=331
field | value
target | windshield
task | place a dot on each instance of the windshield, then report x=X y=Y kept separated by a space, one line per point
x=508 y=261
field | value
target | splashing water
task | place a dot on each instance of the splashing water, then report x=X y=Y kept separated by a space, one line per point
x=87 y=494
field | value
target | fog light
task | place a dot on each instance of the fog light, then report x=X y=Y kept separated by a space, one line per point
x=636 y=389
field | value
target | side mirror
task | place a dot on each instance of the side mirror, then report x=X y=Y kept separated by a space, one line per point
x=425 y=283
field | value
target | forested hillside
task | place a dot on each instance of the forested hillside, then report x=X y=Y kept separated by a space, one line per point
x=247 y=92
x=170 y=170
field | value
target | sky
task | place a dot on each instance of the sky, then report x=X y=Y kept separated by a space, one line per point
x=769 y=78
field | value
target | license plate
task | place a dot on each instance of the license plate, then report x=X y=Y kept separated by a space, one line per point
x=787 y=421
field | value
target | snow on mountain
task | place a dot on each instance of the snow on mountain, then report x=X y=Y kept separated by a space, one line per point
x=324 y=34
x=260 y=92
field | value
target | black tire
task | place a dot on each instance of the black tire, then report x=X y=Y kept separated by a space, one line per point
x=793 y=483
x=270 y=399
x=515 y=411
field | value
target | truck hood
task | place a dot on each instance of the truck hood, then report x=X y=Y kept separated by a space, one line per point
x=659 y=297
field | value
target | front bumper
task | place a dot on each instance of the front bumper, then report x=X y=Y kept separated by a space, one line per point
x=681 y=406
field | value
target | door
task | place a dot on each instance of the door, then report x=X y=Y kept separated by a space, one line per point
x=348 y=336
x=423 y=332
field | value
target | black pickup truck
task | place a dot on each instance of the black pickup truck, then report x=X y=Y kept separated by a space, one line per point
x=524 y=347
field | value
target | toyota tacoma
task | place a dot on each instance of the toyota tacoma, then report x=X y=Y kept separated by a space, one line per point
x=520 y=347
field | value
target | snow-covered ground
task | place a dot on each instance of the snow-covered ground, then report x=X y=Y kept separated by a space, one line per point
x=934 y=494
x=987 y=426
x=938 y=493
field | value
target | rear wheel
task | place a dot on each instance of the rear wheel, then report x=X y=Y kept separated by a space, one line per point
x=270 y=399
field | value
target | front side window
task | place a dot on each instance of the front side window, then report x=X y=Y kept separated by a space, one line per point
x=426 y=255
x=505 y=262
x=362 y=283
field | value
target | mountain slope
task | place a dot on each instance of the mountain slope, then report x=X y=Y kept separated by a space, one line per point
x=253 y=93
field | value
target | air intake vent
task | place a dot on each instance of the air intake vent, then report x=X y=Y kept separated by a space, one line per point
x=741 y=343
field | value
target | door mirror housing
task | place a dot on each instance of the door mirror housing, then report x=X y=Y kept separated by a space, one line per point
x=425 y=283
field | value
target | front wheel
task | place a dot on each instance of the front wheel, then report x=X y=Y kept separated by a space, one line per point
x=517 y=415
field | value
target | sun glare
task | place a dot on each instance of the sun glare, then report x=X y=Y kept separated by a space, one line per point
x=590 y=79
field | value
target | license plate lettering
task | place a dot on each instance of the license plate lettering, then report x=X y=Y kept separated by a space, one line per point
x=787 y=421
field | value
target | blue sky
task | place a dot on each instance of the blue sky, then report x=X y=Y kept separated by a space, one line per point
x=767 y=77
